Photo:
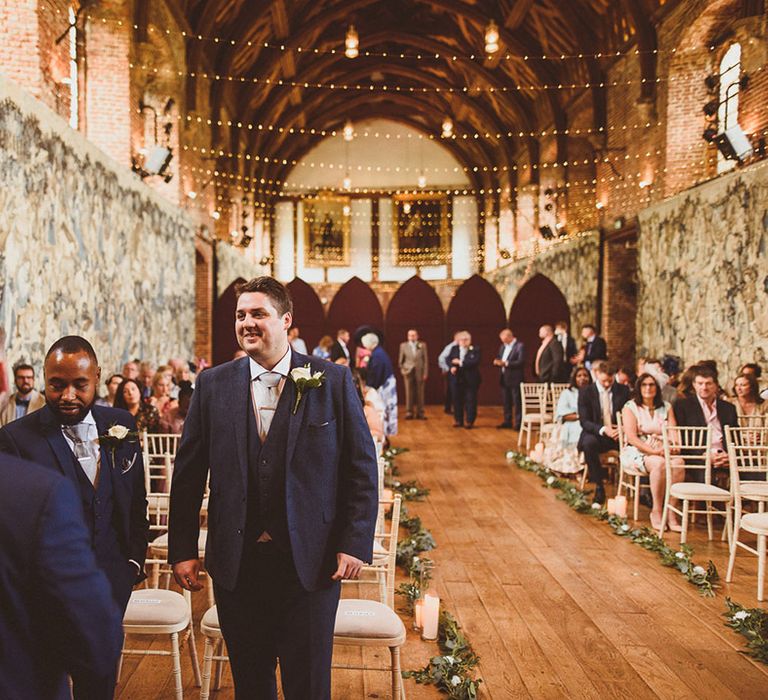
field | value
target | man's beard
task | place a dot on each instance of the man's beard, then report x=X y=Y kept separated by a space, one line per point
x=71 y=419
x=24 y=391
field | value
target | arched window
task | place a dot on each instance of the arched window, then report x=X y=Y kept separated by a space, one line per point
x=72 y=80
x=728 y=111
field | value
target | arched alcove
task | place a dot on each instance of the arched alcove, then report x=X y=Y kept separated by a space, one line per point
x=355 y=304
x=539 y=301
x=416 y=305
x=308 y=312
x=477 y=308
x=224 y=340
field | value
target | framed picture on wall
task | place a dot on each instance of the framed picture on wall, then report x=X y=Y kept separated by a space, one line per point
x=421 y=236
x=326 y=231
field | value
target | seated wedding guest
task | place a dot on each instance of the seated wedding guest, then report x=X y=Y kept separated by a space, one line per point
x=128 y=397
x=296 y=342
x=130 y=370
x=173 y=420
x=561 y=454
x=26 y=399
x=754 y=369
x=625 y=376
x=464 y=361
x=323 y=349
x=238 y=354
x=146 y=375
x=381 y=376
x=340 y=349
x=370 y=394
x=746 y=397
x=703 y=409
x=59 y=618
x=598 y=405
x=685 y=385
x=372 y=415
x=112 y=385
x=549 y=356
x=161 y=392
x=644 y=417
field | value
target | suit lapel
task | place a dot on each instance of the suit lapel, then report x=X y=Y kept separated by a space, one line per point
x=295 y=420
x=52 y=431
x=243 y=404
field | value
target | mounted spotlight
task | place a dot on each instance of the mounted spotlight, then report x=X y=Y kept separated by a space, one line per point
x=734 y=144
x=447 y=128
x=710 y=109
x=491 y=38
x=352 y=43
x=546 y=233
x=349 y=130
x=709 y=134
x=712 y=82
x=504 y=254
x=266 y=260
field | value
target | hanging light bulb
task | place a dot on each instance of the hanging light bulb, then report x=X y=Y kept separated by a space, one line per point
x=349 y=130
x=347 y=210
x=347 y=182
x=216 y=216
x=422 y=181
x=491 y=37
x=351 y=43
x=447 y=128
x=407 y=208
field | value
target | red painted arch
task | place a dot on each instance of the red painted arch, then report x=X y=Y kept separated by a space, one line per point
x=354 y=305
x=223 y=326
x=308 y=312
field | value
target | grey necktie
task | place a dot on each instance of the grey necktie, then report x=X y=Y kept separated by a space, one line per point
x=267 y=404
x=86 y=451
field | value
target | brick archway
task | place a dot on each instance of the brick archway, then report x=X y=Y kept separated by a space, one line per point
x=354 y=305
x=308 y=312
x=224 y=341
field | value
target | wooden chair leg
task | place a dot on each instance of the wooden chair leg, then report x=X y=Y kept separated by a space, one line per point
x=664 y=516
x=397 y=678
x=636 y=507
x=709 y=520
x=120 y=662
x=177 y=666
x=520 y=434
x=193 y=653
x=205 y=685
x=732 y=557
x=760 y=566
x=528 y=438
x=686 y=518
x=219 y=664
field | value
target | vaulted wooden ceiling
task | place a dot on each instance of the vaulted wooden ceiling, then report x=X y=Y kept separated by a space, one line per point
x=446 y=34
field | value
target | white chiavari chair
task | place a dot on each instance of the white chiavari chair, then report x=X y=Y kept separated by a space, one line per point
x=690 y=448
x=748 y=463
x=629 y=477
x=534 y=402
x=753 y=421
x=550 y=408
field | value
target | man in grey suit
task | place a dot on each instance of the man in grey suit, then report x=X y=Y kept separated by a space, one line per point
x=414 y=368
x=293 y=499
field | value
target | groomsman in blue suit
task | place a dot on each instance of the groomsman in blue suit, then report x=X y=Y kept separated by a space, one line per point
x=464 y=361
x=293 y=499
x=510 y=360
x=58 y=614
x=69 y=435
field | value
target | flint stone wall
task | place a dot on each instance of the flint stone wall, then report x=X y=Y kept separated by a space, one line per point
x=703 y=273
x=572 y=265
x=85 y=247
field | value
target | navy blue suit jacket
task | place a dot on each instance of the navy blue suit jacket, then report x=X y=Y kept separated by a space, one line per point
x=590 y=413
x=58 y=613
x=469 y=372
x=37 y=437
x=513 y=373
x=331 y=480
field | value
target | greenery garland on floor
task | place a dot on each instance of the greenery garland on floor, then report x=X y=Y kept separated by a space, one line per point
x=752 y=623
x=451 y=672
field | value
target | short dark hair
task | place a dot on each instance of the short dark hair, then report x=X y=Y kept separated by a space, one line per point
x=757 y=370
x=111 y=377
x=605 y=367
x=703 y=370
x=71 y=345
x=590 y=326
x=712 y=364
x=576 y=370
x=276 y=291
x=185 y=389
x=23 y=365
x=658 y=400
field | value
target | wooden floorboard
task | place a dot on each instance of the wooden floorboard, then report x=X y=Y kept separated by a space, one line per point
x=554 y=603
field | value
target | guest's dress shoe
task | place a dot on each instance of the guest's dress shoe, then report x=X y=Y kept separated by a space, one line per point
x=408 y=416
x=504 y=426
x=458 y=425
x=422 y=417
x=469 y=426
x=599 y=496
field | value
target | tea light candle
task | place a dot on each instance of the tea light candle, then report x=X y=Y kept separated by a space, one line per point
x=611 y=506
x=621 y=506
x=418 y=609
x=430 y=616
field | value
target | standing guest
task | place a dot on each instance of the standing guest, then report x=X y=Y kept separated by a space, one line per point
x=128 y=398
x=594 y=348
x=64 y=436
x=112 y=384
x=381 y=376
x=569 y=350
x=296 y=342
x=323 y=349
x=161 y=392
x=413 y=363
x=598 y=405
x=59 y=617
x=549 y=357
x=173 y=420
x=746 y=397
x=511 y=361
x=703 y=409
x=644 y=417
x=293 y=500
x=561 y=454
x=464 y=361
x=131 y=370
x=146 y=376
x=340 y=353
x=442 y=363
x=26 y=399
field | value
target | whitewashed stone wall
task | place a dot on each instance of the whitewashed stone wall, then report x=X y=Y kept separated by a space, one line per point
x=572 y=265
x=703 y=273
x=85 y=247
x=233 y=262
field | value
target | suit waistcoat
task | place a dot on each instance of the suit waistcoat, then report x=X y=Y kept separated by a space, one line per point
x=98 y=509
x=266 y=507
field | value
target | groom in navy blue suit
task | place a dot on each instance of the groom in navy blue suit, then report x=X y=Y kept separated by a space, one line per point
x=64 y=436
x=292 y=505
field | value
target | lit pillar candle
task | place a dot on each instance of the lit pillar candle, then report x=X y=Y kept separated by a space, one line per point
x=611 y=506
x=537 y=453
x=418 y=608
x=430 y=616
x=621 y=506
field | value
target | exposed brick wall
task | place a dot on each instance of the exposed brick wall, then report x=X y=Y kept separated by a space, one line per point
x=19 y=55
x=620 y=295
x=204 y=294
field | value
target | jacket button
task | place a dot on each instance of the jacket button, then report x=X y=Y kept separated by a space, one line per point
x=243 y=500
x=239 y=531
x=263 y=461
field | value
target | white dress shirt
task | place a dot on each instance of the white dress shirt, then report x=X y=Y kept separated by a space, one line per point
x=604 y=395
x=259 y=393
x=507 y=350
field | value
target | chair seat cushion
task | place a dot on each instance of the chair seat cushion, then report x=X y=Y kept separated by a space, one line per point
x=209 y=625
x=537 y=417
x=161 y=542
x=705 y=492
x=757 y=490
x=756 y=523
x=367 y=619
x=156 y=608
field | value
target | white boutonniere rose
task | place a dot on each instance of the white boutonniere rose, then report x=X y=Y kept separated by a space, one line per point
x=305 y=380
x=114 y=437
x=119 y=432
